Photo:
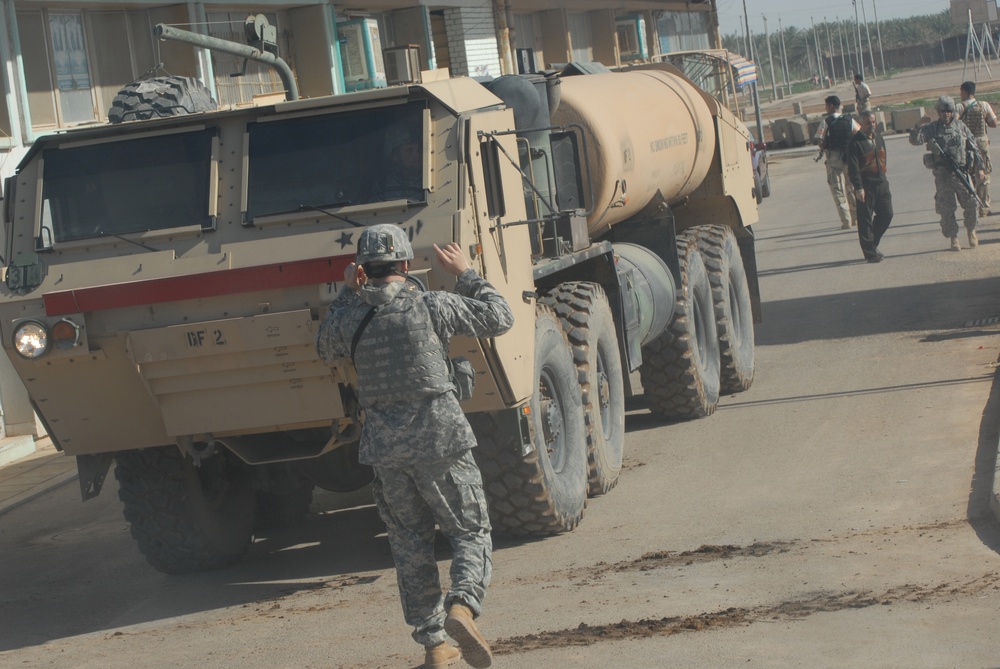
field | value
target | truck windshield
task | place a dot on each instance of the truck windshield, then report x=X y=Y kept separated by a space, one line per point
x=375 y=155
x=116 y=188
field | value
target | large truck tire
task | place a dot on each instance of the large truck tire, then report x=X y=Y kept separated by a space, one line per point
x=545 y=491
x=733 y=311
x=585 y=315
x=680 y=368
x=158 y=97
x=186 y=518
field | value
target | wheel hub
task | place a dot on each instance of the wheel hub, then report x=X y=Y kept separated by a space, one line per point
x=551 y=420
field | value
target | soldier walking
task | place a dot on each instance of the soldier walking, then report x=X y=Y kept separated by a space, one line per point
x=833 y=135
x=977 y=115
x=866 y=166
x=953 y=152
x=415 y=433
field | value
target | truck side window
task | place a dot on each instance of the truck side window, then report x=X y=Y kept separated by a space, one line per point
x=493 y=186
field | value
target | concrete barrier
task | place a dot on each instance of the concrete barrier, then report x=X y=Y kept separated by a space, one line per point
x=906 y=119
x=798 y=131
x=779 y=130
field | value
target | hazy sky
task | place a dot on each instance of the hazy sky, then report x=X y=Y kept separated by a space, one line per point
x=798 y=12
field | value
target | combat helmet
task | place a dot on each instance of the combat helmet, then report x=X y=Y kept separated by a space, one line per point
x=945 y=103
x=384 y=242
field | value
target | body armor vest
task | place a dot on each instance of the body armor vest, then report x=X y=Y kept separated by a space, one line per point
x=838 y=133
x=952 y=142
x=399 y=355
x=974 y=116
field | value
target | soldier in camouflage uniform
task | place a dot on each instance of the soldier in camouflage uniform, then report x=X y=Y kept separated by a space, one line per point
x=977 y=115
x=415 y=433
x=955 y=140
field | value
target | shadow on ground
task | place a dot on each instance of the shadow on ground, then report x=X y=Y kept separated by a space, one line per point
x=881 y=311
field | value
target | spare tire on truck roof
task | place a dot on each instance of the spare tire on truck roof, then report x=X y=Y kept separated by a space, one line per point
x=159 y=97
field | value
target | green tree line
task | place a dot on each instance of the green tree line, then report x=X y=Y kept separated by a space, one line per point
x=840 y=37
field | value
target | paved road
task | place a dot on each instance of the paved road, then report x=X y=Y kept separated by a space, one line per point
x=835 y=515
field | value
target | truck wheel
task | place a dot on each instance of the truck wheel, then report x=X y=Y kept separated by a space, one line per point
x=158 y=97
x=758 y=195
x=544 y=491
x=765 y=187
x=186 y=518
x=586 y=318
x=680 y=368
x=731 y=297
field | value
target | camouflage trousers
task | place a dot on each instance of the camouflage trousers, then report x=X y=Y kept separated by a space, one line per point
x=948 y=191
x=448 y=492
x=841 y=189
x=983 y=185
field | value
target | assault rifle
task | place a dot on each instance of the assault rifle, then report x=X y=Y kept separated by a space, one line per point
x=960 y=174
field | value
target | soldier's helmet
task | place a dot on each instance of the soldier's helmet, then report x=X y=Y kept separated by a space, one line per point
x=945 y=103
x=384 y=242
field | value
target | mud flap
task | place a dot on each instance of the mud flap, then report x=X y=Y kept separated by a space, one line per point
x=93 y=469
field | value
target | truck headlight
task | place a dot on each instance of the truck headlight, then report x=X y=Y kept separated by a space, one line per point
x=31 y=339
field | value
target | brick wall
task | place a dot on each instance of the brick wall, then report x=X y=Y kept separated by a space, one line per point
x=472 y=41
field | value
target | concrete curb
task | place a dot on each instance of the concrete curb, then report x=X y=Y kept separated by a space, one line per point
x=23 y=498
x=15 y=448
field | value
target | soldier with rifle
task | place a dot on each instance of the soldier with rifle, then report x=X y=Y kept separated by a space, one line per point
x=953 y=156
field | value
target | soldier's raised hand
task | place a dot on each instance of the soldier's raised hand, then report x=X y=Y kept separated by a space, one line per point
x=452 y=259
x=355 y=277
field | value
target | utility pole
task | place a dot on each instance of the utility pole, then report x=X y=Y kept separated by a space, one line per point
x=784 y=61
x=819 y=54
x=753 y=90
x=744 y=31
x=871 y=52
x=829 y=44
x=770 y=59
x=843 y=54
x=878 y=32
x=861 y=57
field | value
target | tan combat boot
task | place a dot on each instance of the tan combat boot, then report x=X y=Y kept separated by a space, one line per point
x=973 y=240
x=461 y=627
x=955 y=246
x=441 y=656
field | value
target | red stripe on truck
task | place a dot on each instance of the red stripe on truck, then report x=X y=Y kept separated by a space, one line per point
x=195 y=286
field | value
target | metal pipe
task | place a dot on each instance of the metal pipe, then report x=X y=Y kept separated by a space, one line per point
x=166 y=32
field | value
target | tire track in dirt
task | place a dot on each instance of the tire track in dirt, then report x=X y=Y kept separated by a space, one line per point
x=794 y=609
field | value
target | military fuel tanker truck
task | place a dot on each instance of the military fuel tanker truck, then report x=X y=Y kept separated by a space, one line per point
x=165 y=276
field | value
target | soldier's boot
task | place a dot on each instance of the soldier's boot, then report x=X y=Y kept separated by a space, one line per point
x=441 y=656
x=955 y=246
x=461 y=627
x=973 y=239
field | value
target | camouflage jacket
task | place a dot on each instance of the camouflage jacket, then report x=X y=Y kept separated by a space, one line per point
x=955 y=139
x=403 y=433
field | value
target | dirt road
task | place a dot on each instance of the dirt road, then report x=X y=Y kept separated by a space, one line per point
x=900 y=88
x=835 y=515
